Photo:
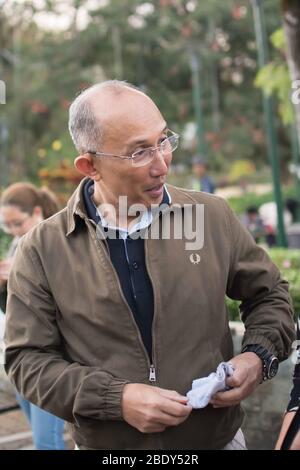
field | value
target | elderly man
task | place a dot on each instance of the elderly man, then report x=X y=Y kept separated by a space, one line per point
x=107 y=325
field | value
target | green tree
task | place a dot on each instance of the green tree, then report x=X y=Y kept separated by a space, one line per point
x=148 y=44
x=291 y=22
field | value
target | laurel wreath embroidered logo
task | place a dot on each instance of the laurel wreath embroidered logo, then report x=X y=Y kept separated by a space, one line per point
x=195 y=258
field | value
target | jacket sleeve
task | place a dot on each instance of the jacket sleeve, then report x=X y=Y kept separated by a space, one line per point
x=34 y=359
x=266 y=307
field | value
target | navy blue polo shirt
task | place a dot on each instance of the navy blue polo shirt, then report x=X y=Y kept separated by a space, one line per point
x=128 y=257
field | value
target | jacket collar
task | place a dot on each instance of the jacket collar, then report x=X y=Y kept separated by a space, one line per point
x=76 y=206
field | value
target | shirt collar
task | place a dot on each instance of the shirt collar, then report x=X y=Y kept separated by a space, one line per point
x=94 y=214
x=76 y=207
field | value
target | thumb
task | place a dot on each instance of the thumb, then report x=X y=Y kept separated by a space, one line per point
x=231 y=381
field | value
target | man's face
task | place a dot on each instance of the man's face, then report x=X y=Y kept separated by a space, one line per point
x=133 y=124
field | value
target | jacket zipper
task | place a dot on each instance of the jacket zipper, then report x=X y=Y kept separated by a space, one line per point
x=152 y=371
x=151 y=367
x=152 y=375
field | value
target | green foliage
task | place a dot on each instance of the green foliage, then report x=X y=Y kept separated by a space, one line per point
x=150 y=50
x=241 y=169
x=278 y=39
x=274 y=79
x=4 y=244
x=288 y=262
x=233 y=309
x=240 y=204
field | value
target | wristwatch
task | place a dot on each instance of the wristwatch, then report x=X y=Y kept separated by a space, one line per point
x=269 y=361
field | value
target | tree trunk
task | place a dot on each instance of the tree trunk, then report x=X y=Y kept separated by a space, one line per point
x=291 y=22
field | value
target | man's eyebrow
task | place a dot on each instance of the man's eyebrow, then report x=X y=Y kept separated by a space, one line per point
x=142 y=141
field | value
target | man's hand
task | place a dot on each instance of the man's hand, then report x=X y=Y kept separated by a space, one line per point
x=246 y=377
x=152 y=409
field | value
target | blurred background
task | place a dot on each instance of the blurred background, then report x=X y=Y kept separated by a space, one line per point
x=226 y=76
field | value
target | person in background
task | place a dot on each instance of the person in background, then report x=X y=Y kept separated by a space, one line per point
x=253 y=223
x=292 y=411
x=2 y=324
x=268 y=214
x=293 y=207
x=202 y=181
x=22 y=206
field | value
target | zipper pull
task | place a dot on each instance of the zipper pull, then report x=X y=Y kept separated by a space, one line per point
x=152 y=375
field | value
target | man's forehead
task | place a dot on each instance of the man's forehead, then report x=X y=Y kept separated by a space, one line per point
x=125 y=98
x=129 y=116
x=134 y=133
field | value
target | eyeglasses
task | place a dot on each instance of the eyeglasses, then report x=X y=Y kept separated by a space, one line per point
x=143 y=157
x=6 y=227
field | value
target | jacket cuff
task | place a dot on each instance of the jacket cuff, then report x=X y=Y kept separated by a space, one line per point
x=113 y=400
x=262 y=341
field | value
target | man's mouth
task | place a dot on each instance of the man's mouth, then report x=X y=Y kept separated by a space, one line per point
x=155 y=191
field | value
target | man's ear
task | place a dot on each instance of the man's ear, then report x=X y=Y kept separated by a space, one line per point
x=85 y=165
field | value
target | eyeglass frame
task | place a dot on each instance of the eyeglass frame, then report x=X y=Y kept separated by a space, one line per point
x=5 y=227
x=131 y=157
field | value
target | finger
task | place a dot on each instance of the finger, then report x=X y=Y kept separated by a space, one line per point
x=175 y=409
x=160 y=428
x=226 y=398
x=173 y=395
x=173 y=421
x=234 y=381
x=167 y=419
x=153 y=427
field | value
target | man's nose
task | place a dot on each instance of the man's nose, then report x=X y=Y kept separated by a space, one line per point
x=159 y=166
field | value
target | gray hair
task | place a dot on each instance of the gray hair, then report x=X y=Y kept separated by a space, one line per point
x=84 y=129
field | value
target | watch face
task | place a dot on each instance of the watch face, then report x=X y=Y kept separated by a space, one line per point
x=273 y=367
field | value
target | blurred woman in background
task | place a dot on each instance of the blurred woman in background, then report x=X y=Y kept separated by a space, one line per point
x=22 y=206
x=289 y=435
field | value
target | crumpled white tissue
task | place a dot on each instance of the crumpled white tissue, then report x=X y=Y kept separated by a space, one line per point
x=203 y=389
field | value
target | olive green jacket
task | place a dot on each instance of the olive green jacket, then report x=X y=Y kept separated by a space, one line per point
x=72 y=342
